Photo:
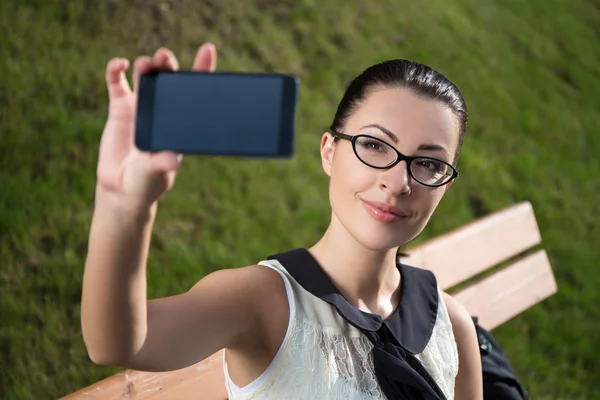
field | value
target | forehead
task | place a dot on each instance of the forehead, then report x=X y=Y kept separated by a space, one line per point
x=413 y=119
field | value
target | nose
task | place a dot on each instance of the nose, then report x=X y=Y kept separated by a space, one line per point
x=396 y=180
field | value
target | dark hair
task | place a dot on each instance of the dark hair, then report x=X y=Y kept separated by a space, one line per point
x=415 y=77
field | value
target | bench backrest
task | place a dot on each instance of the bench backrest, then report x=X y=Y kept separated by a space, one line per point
x=506 y=238
x=460 y=257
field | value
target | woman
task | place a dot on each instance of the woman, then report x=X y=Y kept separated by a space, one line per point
x=341 y=319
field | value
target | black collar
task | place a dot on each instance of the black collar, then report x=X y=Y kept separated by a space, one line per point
x=396 y=339
x=411 y=323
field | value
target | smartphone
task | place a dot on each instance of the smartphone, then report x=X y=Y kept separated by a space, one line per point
x=221 y=113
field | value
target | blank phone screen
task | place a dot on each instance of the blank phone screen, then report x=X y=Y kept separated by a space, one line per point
x=218 y=113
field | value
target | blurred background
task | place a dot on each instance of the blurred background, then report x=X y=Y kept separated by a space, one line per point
x=529 y=70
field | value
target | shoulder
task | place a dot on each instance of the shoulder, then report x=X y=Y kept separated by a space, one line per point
x=252 y=278
x=252 y=286
x=257 y=289
x=462 y=326
x=251 y=302
x=263 y=301
x=469 y=383
x=248 y=293
x=462 y=323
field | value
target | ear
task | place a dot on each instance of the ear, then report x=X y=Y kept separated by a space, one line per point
x=447 y=186
x=327 y=151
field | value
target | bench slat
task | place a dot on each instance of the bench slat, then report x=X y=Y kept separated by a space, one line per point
x=473 y=248
x=203 y=380
x=508 y=292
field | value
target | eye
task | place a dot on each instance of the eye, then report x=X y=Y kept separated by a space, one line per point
x=372 y=144
x=431 y=165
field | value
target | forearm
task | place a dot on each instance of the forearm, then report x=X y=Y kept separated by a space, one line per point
x=113 y=307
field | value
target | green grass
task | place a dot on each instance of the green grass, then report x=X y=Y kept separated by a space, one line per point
x=529 y=71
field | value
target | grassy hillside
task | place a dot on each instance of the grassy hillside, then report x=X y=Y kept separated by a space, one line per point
x=530 y=72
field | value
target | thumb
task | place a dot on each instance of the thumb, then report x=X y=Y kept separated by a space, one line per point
x=165 y=161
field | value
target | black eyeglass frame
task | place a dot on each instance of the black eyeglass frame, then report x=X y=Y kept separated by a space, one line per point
x=400 y=157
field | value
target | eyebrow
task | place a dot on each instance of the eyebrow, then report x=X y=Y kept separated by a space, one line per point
x=394 y=138
x=384 y=130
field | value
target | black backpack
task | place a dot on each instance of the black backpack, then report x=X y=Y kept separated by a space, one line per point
x=499 y=379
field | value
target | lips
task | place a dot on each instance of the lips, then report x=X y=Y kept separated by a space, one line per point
x=383 y=212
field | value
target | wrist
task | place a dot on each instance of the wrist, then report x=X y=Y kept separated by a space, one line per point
x=123 y=208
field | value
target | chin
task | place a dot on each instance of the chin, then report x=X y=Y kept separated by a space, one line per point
x=380 y=240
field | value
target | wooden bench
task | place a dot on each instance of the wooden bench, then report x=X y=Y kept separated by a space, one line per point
x=504 y=241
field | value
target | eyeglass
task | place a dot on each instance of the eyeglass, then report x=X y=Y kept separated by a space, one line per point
x=378 y=154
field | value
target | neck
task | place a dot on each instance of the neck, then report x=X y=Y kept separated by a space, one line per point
x=368 y=279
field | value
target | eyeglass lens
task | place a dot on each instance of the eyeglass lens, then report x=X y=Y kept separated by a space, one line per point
x=377 y=153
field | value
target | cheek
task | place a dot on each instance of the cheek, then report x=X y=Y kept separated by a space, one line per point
x=436 y=197
x=349 y=176
x=426 y=200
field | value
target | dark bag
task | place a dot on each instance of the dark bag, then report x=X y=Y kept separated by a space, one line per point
x=499 y=379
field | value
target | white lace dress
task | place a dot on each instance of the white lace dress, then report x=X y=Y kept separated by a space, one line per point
x=324 y=357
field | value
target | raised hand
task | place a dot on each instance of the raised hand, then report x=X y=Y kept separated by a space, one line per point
x=127 y=174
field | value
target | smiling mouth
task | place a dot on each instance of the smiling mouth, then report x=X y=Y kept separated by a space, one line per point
x=383 y=212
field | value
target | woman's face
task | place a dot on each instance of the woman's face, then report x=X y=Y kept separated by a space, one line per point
x=360 y=194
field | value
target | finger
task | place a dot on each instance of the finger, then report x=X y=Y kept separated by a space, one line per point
x=165 y=59
x=206 y=58
x=140 y=67
x=116 y=81
x=165 y=161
